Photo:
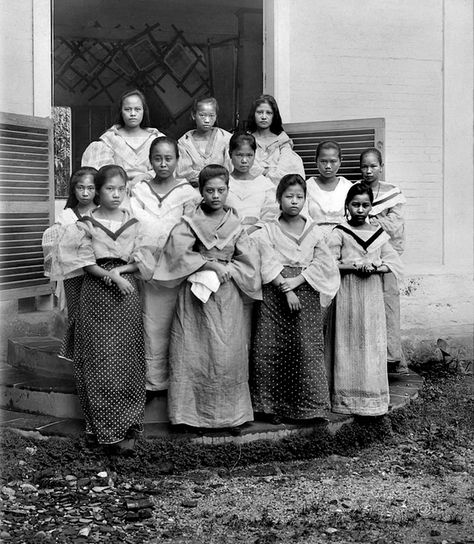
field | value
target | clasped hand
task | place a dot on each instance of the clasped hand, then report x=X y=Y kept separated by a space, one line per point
x=125 y=287
x=223 y=271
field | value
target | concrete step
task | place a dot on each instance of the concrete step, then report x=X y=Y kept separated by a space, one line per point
x=28 y=392
x=39 y=354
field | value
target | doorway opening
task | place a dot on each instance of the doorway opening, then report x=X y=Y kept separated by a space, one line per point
x=173 y=51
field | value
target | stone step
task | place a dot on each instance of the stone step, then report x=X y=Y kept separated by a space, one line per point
x=28 y=392
x=39 y=354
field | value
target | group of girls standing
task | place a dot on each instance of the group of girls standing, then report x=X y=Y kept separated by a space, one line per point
x=256 y=292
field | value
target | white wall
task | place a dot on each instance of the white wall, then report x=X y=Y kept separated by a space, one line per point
x=411 y=63
x=25 y=57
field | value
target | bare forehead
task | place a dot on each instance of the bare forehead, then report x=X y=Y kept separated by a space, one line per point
x=206 y=107
x=115 y=181
x=215 y=183
x=264 y=106
x=163 y=148
x=369 y=158
x=132 y=101
x=86 y=179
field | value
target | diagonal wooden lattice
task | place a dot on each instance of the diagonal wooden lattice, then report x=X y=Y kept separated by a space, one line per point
x=175 y=71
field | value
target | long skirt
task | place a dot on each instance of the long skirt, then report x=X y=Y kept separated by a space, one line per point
x=356 y=344
x=109 y=361
x=209 y=360
x=72 y=290
x=158 y=311
x=288 y=374
x=391 y=296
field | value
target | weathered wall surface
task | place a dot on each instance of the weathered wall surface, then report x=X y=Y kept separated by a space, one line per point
x=411 y=63
x=25 y=57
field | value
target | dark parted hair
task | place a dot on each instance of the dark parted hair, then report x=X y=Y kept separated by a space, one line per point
x=288 y=181
x=359 y=189
x=205 y=100
x=164 y=140
x=146 y=112
x=240 y=138
x=369 y=150
x=76 y=177
x=328 y=144
x=277 y=124
x=212 y=171
x=106 y=172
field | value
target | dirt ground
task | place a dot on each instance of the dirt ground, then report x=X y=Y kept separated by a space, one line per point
x=414 y=484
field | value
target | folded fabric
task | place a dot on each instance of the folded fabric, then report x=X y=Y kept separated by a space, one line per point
x=204 y=282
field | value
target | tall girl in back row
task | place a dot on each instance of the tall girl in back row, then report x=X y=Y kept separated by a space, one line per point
x=356 y=345
x=275 y=156
x=288 y=375
x=127 y=142
x=206 y=144
x=109 y=362
x=387 y=212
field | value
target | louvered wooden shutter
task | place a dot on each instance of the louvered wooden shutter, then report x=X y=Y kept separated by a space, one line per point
x=27 y=196
x=353 y=135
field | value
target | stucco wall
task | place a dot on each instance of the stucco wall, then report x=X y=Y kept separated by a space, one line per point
x=25 y=57
x=411 y=63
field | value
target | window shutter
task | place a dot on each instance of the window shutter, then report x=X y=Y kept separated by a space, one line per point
x=353 y=135
x=27 y=195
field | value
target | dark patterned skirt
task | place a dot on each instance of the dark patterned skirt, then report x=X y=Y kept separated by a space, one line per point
x=109 y=358
x=72 y=290
x=288 y=374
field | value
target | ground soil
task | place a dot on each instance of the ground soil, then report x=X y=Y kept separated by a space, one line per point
x=409 y=482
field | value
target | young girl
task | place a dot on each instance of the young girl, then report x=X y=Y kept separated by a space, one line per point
x=387 y=212
x=327 y=191
x=275 y=156
x=208 y=351
x=206 y=144
x=253 y=198
x=127 y=143
x=356 y=343
x=288 y=370
x=109 y=360
x=59 y=252
x=159 y=204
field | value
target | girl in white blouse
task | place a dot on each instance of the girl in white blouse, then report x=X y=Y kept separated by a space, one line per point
x=327 y=191
x=254 y=198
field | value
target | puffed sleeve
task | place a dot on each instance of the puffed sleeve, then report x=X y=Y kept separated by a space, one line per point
x=97 y=154
x=393 y=223
x=391 y=259
x=178 y=260
x=245 y=266
x=334 y=243
x=287 y=162
x=144 y=252
x=50 y=243
x=186 y=167
x=76 y=246
x=269 y=208
x=270 y=265
x=323 y=273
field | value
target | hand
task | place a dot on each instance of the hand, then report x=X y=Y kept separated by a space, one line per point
x=365 y=270
x=292 y=283
x=293 y=302
x=107 y=280
x=125 y=287
x=223 y=272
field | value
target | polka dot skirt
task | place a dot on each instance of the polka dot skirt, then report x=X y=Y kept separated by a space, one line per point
x=288 y=374
x=109 y=359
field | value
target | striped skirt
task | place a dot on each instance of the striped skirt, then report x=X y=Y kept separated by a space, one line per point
x=356 y=347
x=109 y=359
